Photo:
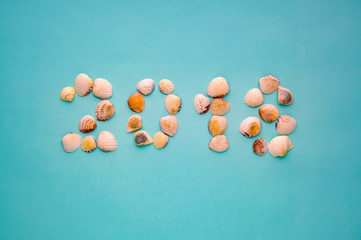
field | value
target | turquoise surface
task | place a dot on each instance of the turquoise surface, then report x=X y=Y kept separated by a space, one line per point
x=184 y=191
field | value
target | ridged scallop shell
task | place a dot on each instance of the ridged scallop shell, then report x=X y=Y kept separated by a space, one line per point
x=87 y=124
x=83 y=84
x=268 y=84
x=285 y=125
x=88 y=144
x=102 y=88
x=217 y=125
x=71 y=142
x=146 y=86
x=279 y=146
x=142 y=138
x=201 y=103
x=106 y=141
x=173 y=103
x=268 y=112
x=169 y=125
x=250 y=127
x=134 y=123
x=136 y=102
x=67 y=94
x=166 y=86
x=285 y=96
x=254 y=97
x=104 y=110
x=260 y=147
x=219 y=143
x=160 y=140
x=218 y=87
x=219 y=107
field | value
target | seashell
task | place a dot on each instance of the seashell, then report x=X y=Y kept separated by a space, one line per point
x=254 y=97
x=83 y=84
x=285 y=96
x=71 y=142
x=201 y=103
x=166 y=86
x=260 y=147
x=268 y=84
x=146 y=86
x=169 y=125
x=219 y=143
x=134 y=123
x=136 y=102
x=160 y=140
x=217 y=125
x=173 y=103
x=285 y=125
x=67 y=94
x=87 y=124
x=218 y=87
x=106 y=141
x=219 y=107
x=102 y=88
x=142 y=138
x=88 y=144
x=268 y=112
x=250 y=127
x=279 y=146
x=104 y=110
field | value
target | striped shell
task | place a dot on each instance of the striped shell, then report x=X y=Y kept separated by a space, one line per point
x=218 y=87
x=260 y=147
x=67 y=94
x=169 y=125
x=87 y=124
x=285 y=125
x=219 y=143
x=254 y=97
x=134 y=123
x=88 y=144
x=279 y=146
x=217 y=125
x=160 y=140
x=146 y=86
x=166 y=86
x=136 y=102
x=268 y=112
x=142 y=138
x=201 y=103
x=102 y=88
x=106 y=141
x=83 y=84
x=285 y=96
x=219 y=106
x=104 y=110
x=268 y=84
x=173 y=103
x=250 y=127
x=71 y=142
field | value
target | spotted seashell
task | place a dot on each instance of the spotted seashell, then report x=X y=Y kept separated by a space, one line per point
x=136 y=102
x=142 y=138
x=169 y=125
x=134 y=123
x=166 y=86
x=218 y=87
x=250 y=127
x=87 y=124
x=268 y=112
x=219 y=106
x=106 y=141
x=285 y=96
x=67 y=94
x=172 y=104
x=88 y=144
x=279 y=146
x=83 y=84
x=285 y=125
x=160 y=140
x=201 y=103
x=254 y=97
x=104 y=110
x=102 y=88
x=217 y=125
x=71 y=142
x=268 y=84
x=146 y=86
x=219 y=143
x=260 y=147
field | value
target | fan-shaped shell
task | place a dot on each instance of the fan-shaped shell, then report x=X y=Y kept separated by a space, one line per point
x=142 y=138
x=88 y=144
x=201 y=103
x=218 y=87
x=146 y=86
x=71 y=142
x=285 y=96
x=106 y=141
x=173 y=103
x=268 y=112
x=260 y=147
x=219 y=143
x=87 y=124
x=250 y=127
x=166 y=86
x=104 y=110
x=279 y=146
x=67 y=94
x=285 y=125
x=83 y=84
x=136 y=102
x=169 y=125
x=217 y=125
x=102 y=88
x=219 y=106
x=254 y=97
x=134 y=123
x=160 y=140
x=268 y=84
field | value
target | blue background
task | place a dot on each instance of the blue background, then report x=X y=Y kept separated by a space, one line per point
x=184 y=191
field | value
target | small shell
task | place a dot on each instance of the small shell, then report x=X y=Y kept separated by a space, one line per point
x=102 y=88
x=218 y=87
x=250 y=127
x=201 y=103
x=136 y=102
x=219 y=107
x=71 y=142
x=134 y=123
x=106 y=141
x=268 y=84
x=285 y=125
x=67 y=94
x=279 y=146
x=173 y=103
x=268 y=112
x=260 y=147
x=169 y=125
x=160 y=140
x=87 y=124
x=83 y=84
x=88 y=144
x=166 y=86
x=217 y=125
x=104 y=110
x=219 y=143
x=254 y=97
x=285 y=96
x=146 y=86
x=142 y=138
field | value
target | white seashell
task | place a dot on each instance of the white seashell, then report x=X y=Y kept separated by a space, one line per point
x=88 y=144
x=160 y=140
x=106 y=141
x=285 y=96
x=166 y=86
x=102 y=88
x=268 y=84
x=218 y=87
x=285 y=125
x=219 y=106
x=268 y=112
x=217 y=125
x=279 y=146
x=87 y=124
x=142 y=138
x=71 y=142
x=83 y=84
x=172 y=104
x=219 y=143
x=250 y=127
x=169 y=125
x=67 y=94
x=146 y=86
x=104 y=110
x=254 y=97
x=134 y=123
x=260 y=147
x=201 y=103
